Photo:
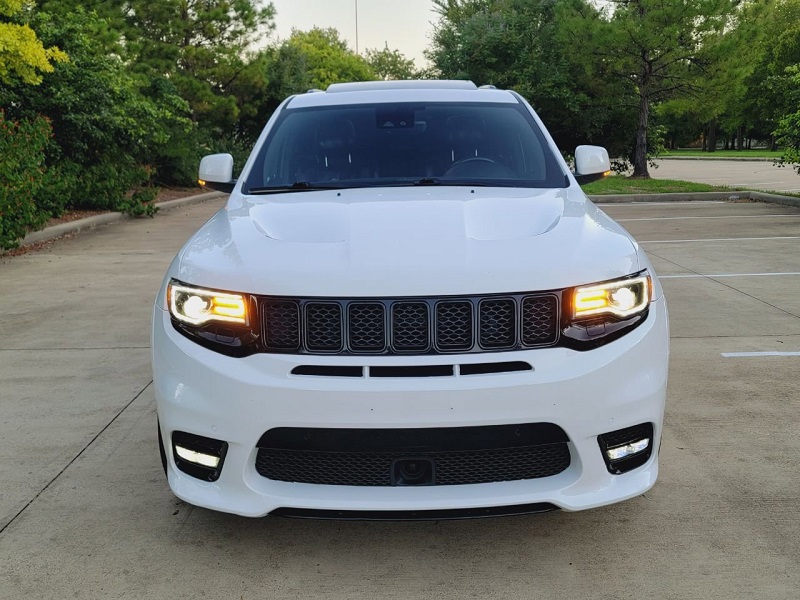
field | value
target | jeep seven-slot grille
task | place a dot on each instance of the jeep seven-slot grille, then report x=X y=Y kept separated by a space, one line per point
x=409 y=326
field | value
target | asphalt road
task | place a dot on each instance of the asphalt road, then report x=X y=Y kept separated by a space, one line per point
x=85 y=511
x=754 y=175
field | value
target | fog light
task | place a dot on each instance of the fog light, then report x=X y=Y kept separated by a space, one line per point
x=198 y=458
x=627 y=449
x=621 y=452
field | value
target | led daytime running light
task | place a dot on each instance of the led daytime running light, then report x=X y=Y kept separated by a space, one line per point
x=198 y=458
x=628 y=450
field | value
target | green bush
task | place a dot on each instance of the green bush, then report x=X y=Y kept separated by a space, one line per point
x=22 y=145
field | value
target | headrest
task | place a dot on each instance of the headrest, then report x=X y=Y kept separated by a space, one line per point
x=463 y=130
x=336 y=135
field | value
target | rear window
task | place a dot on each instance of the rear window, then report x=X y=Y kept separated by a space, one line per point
x=402 y=144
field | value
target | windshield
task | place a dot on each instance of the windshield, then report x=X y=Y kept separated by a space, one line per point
x=404 y=144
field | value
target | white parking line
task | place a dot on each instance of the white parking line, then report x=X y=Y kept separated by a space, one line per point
x=743 y=239
x=717 y=217
x=719 y=275
x=663 y=203
x=753 y=354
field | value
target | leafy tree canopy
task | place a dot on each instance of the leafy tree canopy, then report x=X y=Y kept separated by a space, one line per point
x=390 y=64
x=22 y=54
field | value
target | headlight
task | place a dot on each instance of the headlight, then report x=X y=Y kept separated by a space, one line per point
x=597 y=314
x=197 y=306
x=622 y=298
x=224 y=322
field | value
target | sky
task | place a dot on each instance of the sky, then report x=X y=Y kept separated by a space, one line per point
x=405 y=25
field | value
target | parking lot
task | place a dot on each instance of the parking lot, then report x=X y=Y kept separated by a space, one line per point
x=85 y=511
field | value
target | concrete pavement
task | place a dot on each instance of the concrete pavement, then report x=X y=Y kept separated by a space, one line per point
x=754 y=175
x=85 y=511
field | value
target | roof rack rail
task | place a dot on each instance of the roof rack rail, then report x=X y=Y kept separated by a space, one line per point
x=488 y=86
x=413 y=84
x=315 y=91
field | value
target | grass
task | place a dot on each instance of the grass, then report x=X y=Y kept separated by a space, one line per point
x=697 y=153
x=617 y=184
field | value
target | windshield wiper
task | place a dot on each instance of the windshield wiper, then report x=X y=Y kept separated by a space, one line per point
x=456 y=182
x=297 y=186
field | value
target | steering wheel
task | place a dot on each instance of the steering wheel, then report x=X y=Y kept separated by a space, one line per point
x=471 y=159
x=478 y=166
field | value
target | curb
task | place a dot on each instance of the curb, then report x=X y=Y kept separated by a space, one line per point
x=73 y=227
x=696 y=197
x=669 y=197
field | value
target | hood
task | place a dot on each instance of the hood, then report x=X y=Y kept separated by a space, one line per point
x=407 y=242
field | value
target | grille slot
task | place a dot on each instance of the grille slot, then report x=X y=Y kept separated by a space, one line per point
x=324 y=326
x=539 y=320
x=367 y=327
x=282 y=325
x=409 y=326
x=454 y=325
x=497 y=323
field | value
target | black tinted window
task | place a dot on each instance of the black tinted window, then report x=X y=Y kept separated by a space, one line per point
x=395 y=144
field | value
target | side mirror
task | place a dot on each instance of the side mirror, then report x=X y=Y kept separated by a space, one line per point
x=216 y=172
x=591 y=163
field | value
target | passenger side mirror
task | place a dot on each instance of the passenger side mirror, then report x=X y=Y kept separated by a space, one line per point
x=216 y=172
x=591 y=163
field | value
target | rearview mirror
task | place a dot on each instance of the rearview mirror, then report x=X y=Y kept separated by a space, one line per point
x=591 y=163
x=216 y=172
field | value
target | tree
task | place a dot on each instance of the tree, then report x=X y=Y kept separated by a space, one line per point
x=326 y=58
x=108 y=124
x=22 y=54
x=655 y=47
x=390 y=64
x=526 y=45
x=788 y=130
x=771 y=84
x=201 y=46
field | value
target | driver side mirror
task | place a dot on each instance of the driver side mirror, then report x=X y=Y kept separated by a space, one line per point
x=591 y=163
x=216 y=172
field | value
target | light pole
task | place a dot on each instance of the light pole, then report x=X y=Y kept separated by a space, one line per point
x=356 y=26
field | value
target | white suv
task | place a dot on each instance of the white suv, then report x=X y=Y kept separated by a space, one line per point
x=409 y=309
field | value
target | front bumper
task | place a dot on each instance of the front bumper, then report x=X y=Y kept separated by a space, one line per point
x=585 y=393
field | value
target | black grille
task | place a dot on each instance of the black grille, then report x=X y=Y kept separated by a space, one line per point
x=284 y=325
x=539 y=320
x=419 y=326
x=454 y=325
x=367 y=327
x=465 y=455
x=324 y=326
x=410 y=327
x=498 y=322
